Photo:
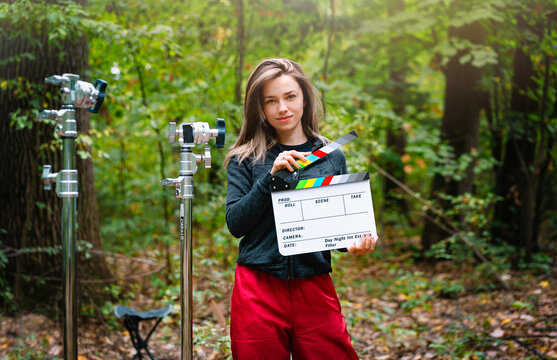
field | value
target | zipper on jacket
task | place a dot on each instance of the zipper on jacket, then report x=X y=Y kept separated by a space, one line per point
x=290 y=268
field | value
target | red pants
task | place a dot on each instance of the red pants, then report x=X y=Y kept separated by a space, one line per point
x=271 y=318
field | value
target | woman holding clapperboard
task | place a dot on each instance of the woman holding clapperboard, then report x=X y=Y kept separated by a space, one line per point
x=281 y=305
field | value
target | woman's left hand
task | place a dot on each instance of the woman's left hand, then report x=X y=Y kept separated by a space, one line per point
x=366 y=245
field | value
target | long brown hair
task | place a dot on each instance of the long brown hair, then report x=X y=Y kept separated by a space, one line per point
x=257 y=135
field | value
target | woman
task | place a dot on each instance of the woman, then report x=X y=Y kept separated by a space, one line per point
x=281 y=305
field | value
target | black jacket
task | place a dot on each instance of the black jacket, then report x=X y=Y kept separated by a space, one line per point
x=249 y=215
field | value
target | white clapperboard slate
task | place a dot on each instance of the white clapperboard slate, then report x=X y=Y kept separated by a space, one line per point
x=323 y=213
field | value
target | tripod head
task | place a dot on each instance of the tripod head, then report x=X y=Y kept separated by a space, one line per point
x=190 y=134
x=75 y=94
x=79 y=94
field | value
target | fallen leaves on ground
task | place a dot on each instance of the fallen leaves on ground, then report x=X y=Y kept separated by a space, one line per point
x=392 y=308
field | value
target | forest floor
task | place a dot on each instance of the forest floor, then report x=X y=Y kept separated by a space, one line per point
x=395 y=308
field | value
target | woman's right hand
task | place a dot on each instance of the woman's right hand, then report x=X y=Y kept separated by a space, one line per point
x=289 y=160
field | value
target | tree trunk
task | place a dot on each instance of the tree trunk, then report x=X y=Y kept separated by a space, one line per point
x=513 y=216
x=396 y=136
x=460 y=127
x=330 y=38
x=30 y=216
x=240 y=50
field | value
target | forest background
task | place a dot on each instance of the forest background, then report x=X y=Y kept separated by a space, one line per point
x=455 y=106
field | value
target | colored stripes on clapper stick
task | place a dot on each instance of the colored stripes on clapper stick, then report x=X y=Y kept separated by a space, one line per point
x=317 y=154
x=327 y=149
x=328 y=180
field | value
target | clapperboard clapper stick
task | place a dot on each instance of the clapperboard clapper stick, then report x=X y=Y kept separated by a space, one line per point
x=324 y=213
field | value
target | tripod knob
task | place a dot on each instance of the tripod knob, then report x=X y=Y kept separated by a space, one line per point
x=48 y=114
x=221 y=128
x=172 y=131
x=48 y=177
x=100 y=86
x=61 y=79
x=207 y=158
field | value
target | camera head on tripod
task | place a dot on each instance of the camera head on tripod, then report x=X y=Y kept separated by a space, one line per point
x=191 y=134
x=80 y=94
x=75 y=95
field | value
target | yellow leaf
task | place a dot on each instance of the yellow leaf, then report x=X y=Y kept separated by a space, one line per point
x=80 y=357
x=437 y=110
x=506 y=321
x=544 y=284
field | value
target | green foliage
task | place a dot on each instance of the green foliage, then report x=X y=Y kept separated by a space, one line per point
x=165 y=61
x=168 y=62
x=157 y=76
x=474 y=210
x=57 y=20
x=540 y=262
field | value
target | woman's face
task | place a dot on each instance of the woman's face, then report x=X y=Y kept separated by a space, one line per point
x=283 y=105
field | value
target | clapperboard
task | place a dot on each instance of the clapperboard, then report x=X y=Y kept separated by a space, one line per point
x=324 y=213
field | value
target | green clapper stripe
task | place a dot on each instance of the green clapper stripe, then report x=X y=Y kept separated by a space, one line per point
x=301 y=184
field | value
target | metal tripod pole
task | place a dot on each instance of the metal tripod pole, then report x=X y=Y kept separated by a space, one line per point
x=187 y=165
x=184 y=191
x=69 y=205
x=186 y=288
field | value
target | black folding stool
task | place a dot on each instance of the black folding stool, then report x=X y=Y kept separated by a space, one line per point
x=132 y=318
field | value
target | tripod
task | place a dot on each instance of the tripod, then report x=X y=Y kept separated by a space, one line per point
x=75 y=95
x=189 y=134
